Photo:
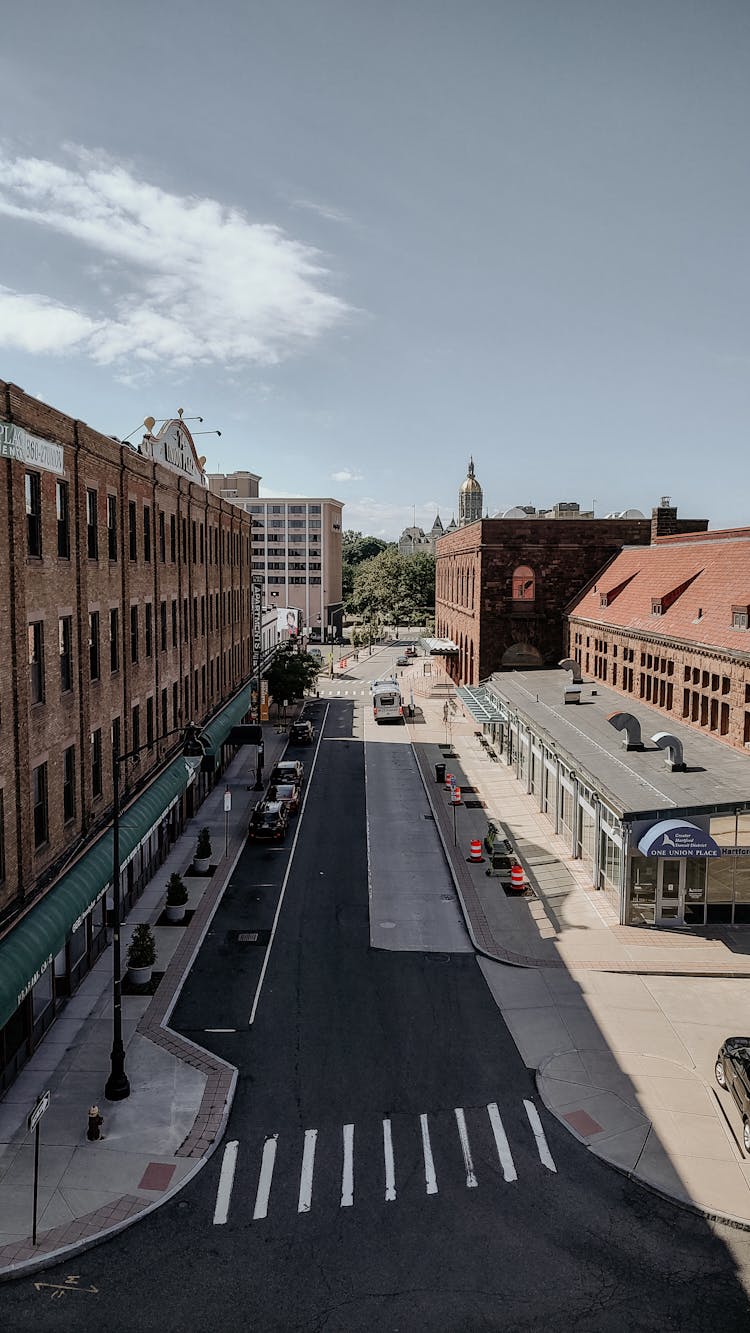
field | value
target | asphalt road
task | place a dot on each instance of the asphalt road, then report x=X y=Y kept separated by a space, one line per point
x=346 y=1038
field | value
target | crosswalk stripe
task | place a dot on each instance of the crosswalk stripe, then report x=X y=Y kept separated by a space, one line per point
x=463 y=1134
x=226 y=1181
x=390 y=1174
x=429 y=1165
x=266 y=1176
x=545 y=1156
x=306 y=1175
x=501 y=1143
x=347 y=1173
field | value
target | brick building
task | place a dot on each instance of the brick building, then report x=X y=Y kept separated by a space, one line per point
x=124 y=614
x=668 y=626
x=502 y=585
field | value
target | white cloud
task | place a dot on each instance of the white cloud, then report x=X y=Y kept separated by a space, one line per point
x=198 y=282
x=323 y=210
x=388 y=521
x=346 y=475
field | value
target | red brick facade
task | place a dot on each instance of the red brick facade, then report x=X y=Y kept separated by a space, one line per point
x=172 y=561
x=669 y=626
x=499 y=615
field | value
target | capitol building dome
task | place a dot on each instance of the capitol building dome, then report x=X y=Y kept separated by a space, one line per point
x=469 y=498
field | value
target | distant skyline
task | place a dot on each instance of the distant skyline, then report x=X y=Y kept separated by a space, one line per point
x=366 y=241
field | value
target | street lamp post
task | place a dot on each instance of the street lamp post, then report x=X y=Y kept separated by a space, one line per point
x=117 y=1087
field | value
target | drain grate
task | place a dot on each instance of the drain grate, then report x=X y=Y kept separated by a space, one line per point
x=251 y=936
x=432 y=817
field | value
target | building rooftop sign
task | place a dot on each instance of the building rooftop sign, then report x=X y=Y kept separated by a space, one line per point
x=173 y=447
x=16 y=443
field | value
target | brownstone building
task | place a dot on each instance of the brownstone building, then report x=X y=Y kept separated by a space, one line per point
x=669 y=626
x=124 y=614
x=502 y=585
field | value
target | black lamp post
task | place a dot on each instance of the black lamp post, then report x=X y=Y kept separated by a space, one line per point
x=117 y=1087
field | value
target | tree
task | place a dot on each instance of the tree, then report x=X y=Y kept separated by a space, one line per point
x=355 y=550
x=291 y=673
x=398 y=589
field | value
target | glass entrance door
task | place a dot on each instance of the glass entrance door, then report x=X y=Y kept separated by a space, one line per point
x=670 y=894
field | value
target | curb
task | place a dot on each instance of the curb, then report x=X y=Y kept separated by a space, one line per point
x=709 y=1214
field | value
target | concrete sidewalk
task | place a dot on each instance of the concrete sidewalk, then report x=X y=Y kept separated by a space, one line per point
x=621 y=1024
x=181 y=1094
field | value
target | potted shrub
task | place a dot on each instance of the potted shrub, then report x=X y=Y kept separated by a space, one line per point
x=202 y=858
x=177 y=896
x=141 y=955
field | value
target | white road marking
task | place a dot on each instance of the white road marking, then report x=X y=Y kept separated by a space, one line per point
x=545 y=1156
x=306 y=1176
x=287 y=873
x=265 y=1178
x=471 y=1180
x=219 y=1029
x=390 y=1174
x=347 y=1174
x=226 y=1181
x=501 y=1142
x=429 y=1165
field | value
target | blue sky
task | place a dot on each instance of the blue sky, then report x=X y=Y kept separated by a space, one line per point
x=365 y=240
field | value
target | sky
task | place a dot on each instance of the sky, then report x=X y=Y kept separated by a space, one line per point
x=366 y=239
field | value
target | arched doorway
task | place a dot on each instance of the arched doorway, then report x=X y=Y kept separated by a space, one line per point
x=522 y=655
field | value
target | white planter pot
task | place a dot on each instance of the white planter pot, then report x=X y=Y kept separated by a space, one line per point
x=175 y=913
x=140 y=976
x=201 y=865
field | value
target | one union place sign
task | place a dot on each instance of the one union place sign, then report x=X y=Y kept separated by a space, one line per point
x=16 y=443
x=680 y=837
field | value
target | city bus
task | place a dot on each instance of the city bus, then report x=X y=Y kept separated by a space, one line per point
x=386 y=701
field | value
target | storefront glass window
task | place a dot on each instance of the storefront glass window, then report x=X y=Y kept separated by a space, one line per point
x=643 y=873
x=78 y=944
x=610 y=858
x=588 y=834
x=742 y=886
x=719 y=881
x=41 y=995
x=550 y=793
x=566 y=810
x=695 y=890
x=724 y=830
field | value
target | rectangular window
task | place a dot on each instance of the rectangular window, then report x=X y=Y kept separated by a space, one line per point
x=149 y=628
x=172 y=538
x=135 y=728
x=39 y=799
x=162 y=536
x=114 y=639
x=112 y=527
x=174 y=622
x=63 y=520
x=36 y=661
x=134 y=633
x=65 y=644
x=94 y=665
x=34 y=512
x=163 y=615
x=92 y=524
x=96 y=763
x=115 y=735
x=147 y=533
x=175 y=704
x=132 y=530
x=150 y=721
x=201 y=543
x=164 y=712
x=69 y=784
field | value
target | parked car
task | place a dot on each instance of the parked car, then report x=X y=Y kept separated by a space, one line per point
x=301 y=733
x=342 y=639
x=316 y=653
x=270 y=819
x=402 y=661
x=410 y=652
x=289 y=793
x=732 y=1071
x=289 y=770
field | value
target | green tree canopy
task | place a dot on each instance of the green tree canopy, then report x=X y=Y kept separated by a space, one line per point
x=291 y=673
x=395 y=588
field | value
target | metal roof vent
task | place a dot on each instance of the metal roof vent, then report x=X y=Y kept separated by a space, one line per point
x=568 y=664
x=673 y=747
x=630 y=727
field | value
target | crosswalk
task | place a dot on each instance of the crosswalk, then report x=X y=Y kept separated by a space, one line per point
x=332 y=1165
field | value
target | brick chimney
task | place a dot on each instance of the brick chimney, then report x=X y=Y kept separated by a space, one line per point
x=665 y=523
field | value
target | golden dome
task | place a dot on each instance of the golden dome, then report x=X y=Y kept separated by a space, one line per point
x=470 y=485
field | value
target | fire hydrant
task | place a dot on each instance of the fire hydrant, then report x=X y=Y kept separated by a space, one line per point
x=96 y=1121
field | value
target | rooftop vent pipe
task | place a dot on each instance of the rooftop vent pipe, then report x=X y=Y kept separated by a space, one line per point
x=630 y=727
x=673 y=747
x=569 y=665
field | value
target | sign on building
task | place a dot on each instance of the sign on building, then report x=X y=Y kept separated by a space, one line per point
x=16 y=443
x=173 y=447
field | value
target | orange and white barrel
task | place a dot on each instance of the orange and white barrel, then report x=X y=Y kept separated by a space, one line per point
x=475 y=850
x=516 y=877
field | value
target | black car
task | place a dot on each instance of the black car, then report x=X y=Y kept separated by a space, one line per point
x=289 y=770
x=732 y=1071
x=301 y=733
x=270 y=819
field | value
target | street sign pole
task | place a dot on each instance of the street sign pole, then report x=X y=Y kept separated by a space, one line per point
x=227 y=808
x=34 y=1121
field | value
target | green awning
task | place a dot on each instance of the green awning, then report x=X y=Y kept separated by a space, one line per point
x=481 y=705
x=40 y=935
x=217 y=730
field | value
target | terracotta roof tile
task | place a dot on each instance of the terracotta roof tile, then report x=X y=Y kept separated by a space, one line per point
x=716 y=568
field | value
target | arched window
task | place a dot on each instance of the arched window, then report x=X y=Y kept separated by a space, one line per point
x=523 y=584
